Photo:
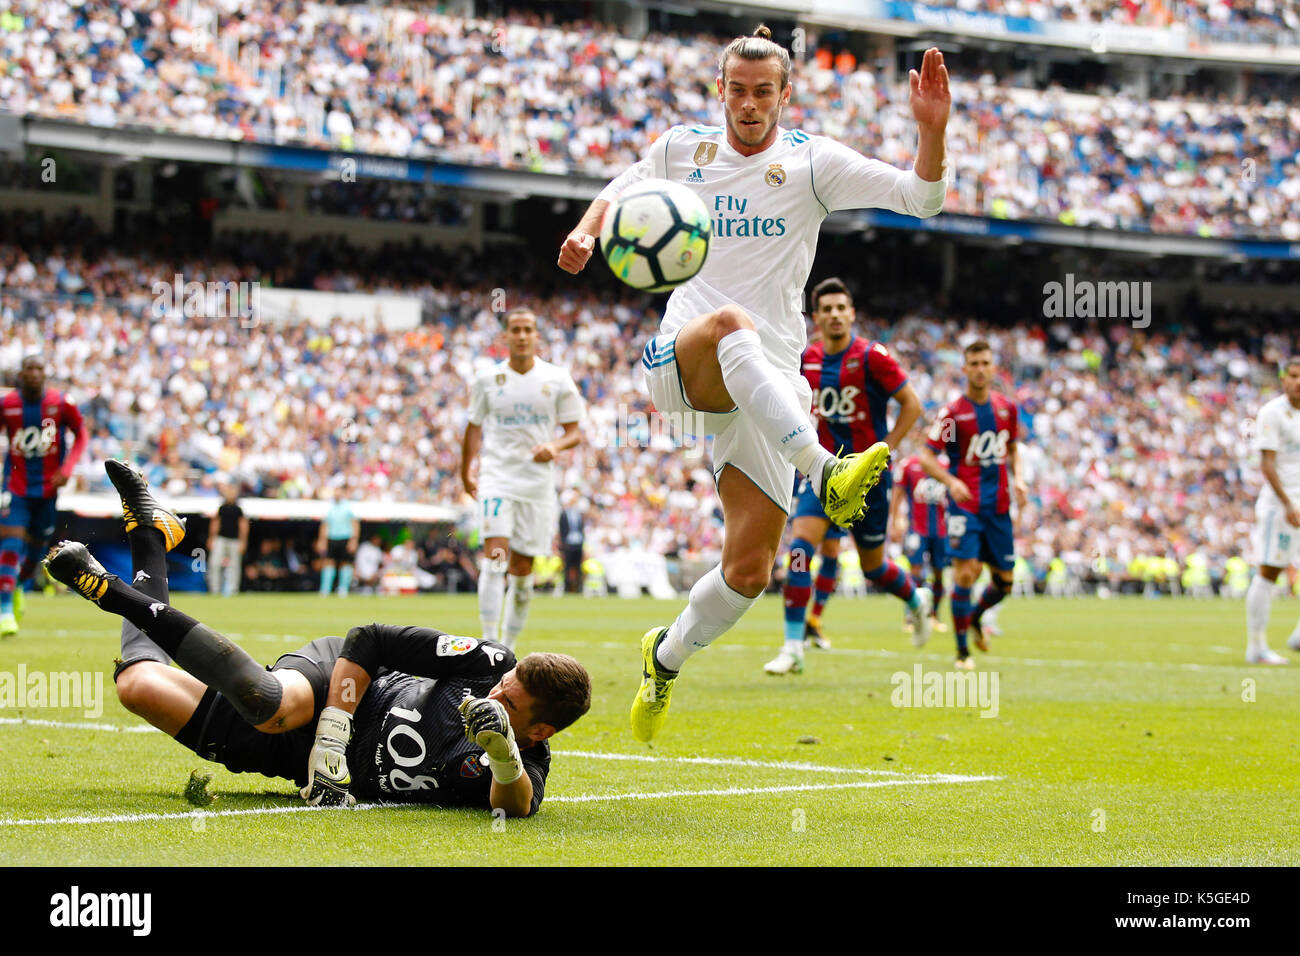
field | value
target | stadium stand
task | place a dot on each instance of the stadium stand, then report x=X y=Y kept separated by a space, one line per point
x=1131 y=438
x=513 y=93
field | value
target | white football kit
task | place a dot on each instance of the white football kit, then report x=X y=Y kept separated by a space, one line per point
x=518 y=412
x=1278 y=430
x=767 y=210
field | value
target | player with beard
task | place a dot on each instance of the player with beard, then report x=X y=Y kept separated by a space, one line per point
x=401 y=714
x=727 y=356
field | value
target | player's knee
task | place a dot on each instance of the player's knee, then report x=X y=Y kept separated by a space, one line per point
x=136 y=689
x=728 y=319
x=748 y=577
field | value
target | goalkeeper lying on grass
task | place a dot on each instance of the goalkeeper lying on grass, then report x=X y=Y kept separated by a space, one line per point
x=401 y=714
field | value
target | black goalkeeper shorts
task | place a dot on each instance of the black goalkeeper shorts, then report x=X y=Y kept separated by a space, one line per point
x=216 y=732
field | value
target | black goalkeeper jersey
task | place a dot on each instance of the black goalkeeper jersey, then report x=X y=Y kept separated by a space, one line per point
x=408 y=742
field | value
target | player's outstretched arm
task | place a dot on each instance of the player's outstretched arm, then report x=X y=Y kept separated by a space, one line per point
x=580 y=244
x=931 y=102
x=578 y=247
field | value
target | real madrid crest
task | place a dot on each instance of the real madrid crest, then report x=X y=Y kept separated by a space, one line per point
x=704 y=153
x=775 y=175
x=501 y=378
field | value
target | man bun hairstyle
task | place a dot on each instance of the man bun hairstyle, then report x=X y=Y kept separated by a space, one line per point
x=759 y=46
x=559 y=686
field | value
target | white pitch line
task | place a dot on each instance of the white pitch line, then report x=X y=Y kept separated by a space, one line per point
x=900 y=780
x=791 y=788
x=75 y=725
x=193 y=814
x=725 y=762
x=576 y=798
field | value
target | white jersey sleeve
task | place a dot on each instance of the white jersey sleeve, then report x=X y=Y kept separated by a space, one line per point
x=653 y=165
x=569 y=406
x=478 y=404
x=845 y=179
x=1277 y=429
x=1268 y=428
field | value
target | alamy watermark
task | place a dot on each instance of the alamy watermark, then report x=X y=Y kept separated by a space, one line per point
x=1085 y=299
x=24 y=689
x=76 y=908
x=214 y=300
x=664 y=430
x=919 y=688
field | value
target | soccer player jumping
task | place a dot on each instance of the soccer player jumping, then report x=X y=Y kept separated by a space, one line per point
x=852 y=381
x=727 y=356
x=38 y=465
x=978 y=431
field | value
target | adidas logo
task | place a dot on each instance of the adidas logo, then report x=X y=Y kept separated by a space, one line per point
x=696 y=177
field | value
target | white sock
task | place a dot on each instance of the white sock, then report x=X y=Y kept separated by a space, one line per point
x=1258 y=597
x=519 y=591
x=711 y=611
x=794 y=648
x=491 y=588
x=763 y=393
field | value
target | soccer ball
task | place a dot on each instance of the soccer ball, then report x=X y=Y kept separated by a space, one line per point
x=655 y=235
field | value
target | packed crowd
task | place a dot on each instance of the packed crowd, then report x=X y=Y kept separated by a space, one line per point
x=1213 y=19
x=1135 y=442
x=519 y=93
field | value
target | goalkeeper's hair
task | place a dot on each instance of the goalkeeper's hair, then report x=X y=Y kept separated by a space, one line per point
x=759 y=46
x=559 y=686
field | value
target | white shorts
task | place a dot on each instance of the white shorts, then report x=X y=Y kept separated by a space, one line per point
x=737 y=439
x=1274 y=540
x=529 y=525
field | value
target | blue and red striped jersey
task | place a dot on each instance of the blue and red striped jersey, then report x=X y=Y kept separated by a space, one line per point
x=37 y=450
x=850 y=391
x=927 y=498
x=977 y=439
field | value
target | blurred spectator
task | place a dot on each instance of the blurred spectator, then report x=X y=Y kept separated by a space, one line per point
x=370 y=562
x=269 y=568
x=227 y=539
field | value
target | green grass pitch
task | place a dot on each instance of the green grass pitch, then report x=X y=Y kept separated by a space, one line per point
x=1128 y=732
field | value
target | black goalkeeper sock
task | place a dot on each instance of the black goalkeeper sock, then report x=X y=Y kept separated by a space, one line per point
x=149 y=559
x=211 y=657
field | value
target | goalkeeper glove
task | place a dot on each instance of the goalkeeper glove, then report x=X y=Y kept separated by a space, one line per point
x=487 y=725
x=327 y=765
